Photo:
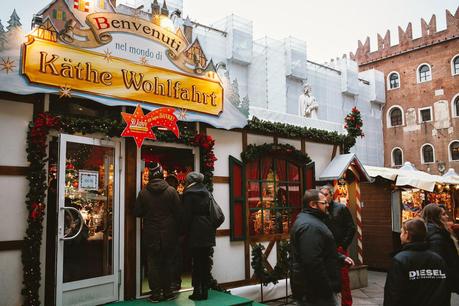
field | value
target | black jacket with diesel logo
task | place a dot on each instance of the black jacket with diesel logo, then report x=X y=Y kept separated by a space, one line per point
x=417 y=278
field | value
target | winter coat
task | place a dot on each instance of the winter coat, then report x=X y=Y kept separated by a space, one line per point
x=441 y=243
x=417 y=278
x=196 y=201
x=159 y=206
x=316 y=263
x=341 y=224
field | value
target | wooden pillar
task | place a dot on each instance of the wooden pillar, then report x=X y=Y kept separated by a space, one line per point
x=130 y=220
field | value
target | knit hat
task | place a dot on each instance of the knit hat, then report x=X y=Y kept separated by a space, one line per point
x=194 y=177
x=155 y=170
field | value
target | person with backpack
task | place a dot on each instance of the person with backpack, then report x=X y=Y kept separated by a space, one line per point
x=197 y=201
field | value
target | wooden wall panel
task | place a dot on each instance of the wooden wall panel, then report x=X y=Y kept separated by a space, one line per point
x=377 y=225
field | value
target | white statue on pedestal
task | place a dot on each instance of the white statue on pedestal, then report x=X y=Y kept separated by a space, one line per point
x=307 y=103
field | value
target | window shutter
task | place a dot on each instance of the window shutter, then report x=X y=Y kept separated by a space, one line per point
x=237 y=199
x=309 y=176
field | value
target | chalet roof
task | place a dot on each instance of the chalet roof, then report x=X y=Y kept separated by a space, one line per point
x=339 y=165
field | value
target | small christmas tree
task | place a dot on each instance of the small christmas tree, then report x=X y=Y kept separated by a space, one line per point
x=14 y=21
x=353 y=123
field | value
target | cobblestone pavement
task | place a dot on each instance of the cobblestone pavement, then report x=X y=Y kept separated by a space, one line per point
x=369 y=296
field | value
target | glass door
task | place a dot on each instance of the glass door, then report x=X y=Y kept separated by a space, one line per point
x=88 y=221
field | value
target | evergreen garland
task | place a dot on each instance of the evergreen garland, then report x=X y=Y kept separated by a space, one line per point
x=281 y=269
x=37 y=134
x=293 y=131
x=253 y=152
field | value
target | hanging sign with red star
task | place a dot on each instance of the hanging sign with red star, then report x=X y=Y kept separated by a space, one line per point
x=139 y=125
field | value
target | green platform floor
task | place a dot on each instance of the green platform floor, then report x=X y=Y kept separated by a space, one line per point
x=216 y=298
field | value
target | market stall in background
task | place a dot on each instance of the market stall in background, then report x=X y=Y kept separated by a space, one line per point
x=396 y=196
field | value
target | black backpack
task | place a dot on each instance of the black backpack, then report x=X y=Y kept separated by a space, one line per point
x=215 y=212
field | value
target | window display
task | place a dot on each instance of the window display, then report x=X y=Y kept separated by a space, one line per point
x=414 y=200
x=274 y=195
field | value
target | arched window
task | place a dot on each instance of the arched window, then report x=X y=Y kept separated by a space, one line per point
x=456 y=106
x=454 y=150
x=427 y=152
x=455 y=65
x=397 y=157
x=394 y=80
x=396 y=116
x=424 y=73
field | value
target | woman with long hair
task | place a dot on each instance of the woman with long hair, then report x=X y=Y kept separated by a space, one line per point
x=442 y=241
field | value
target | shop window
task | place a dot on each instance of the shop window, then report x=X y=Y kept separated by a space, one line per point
x=454 y=150
x=394 y=80
x=424 y=73
x=397 y=157
x=425 y=114
x=427 y=152
x=455 y=65
x=274 y=195
x=396 y=116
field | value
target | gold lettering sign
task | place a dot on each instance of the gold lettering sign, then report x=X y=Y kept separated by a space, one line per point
x=57 y=65
x=102 y=24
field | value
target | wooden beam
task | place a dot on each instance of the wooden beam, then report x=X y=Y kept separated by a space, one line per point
x=130 y=232
x=11 y=245
x=239 y=283
x=303 y=145
x=221 y=179
x=246 y=241
x=223 y=232
x=13 y=170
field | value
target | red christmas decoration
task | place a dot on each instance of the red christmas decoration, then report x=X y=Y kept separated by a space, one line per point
x=139 y=125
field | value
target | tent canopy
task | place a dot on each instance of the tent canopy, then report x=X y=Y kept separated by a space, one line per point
x=411 y=177
x=338 y=166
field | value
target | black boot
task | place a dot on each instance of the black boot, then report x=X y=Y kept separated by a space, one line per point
x=197 y=293
x=205 y=291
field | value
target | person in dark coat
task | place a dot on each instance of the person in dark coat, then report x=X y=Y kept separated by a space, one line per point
x=201 y=233
x=343 y=228
x=417 y=276
x=158 y=204
x=442 y=241
x=177 y=262
x=315 y=276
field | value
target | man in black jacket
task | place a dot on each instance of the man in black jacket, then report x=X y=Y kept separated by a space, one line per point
x=342 y=226
x=159 y=206
x=315 y=271
x=417 y=276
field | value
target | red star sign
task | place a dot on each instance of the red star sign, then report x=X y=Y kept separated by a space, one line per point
x=139 y=125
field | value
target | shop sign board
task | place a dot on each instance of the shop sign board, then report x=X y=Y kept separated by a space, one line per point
x=55 y=64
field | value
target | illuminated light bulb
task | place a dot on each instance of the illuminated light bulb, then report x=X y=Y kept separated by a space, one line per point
x=166 y=23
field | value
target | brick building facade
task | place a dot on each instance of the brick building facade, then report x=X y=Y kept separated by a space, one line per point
x=421 y=114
